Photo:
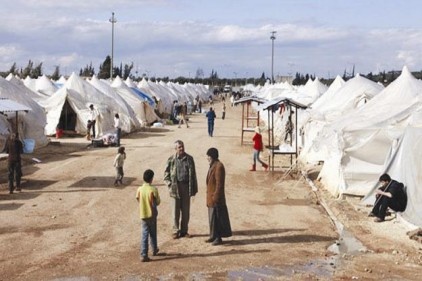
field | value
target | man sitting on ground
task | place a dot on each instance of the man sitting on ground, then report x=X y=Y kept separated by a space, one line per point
x=392 y=195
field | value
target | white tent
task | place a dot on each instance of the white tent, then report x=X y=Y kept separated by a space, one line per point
x=36 y=96
x=128 y=120
x=144 y=112
x=31 y=124
x=361 y=140
x=161 y=94
x=329 y=108
x=70 y=106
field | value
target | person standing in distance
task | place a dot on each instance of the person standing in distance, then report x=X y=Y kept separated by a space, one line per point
x=118 y=129
x=180 y=177
x=14 y=148
x=148 y=198
x=93 y=113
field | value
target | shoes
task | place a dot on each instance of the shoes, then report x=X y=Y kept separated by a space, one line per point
x=371 y=214
x=378 y=220
x=154 y=253
x=18 y=189
x=145 y=259
x=209 y=240
x=217 y=241
x=186 y=235
x=115 y=183
x=175 y=236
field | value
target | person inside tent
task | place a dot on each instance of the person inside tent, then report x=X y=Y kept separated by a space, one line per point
x=390 y=194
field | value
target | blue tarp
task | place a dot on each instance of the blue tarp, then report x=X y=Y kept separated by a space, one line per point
x=144 y=96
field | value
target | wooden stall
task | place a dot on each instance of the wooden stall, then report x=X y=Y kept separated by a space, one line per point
x=250 y=117
x=273 y=106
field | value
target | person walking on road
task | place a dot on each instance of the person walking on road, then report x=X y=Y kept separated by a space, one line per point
x=258 y=146
x=211 y=117
x=180 y=177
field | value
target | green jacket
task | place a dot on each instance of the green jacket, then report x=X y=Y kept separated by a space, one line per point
x=170 y=176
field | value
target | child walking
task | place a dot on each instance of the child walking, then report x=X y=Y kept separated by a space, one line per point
x=118 y=163
x=148 y=198
x=258 y=146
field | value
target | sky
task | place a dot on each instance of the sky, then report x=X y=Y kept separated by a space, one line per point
x=172 y=38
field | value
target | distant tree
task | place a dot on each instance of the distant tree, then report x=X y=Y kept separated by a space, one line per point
x=27 y=70
x=13 y=70
x=87 y=71
x=262 y=76
x=104 y=72
x=36 y=71
x=120 y=71
x=127 y=70
x=345 y=75
x=56 y=74
x=214 y=74
x=199 y=73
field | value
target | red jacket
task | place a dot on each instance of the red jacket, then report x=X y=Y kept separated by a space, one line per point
x=257 y=142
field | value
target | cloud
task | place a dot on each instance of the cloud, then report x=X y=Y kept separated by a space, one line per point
x=74 y=34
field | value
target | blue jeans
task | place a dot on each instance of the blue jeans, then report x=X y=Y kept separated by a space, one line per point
x=149 y=230
x=256 y=157
x=210 y=128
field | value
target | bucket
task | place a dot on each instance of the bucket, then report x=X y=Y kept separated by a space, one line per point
x=28 y=145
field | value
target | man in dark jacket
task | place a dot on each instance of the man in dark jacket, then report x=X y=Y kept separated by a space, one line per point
x=392 y=195
x=14 y=148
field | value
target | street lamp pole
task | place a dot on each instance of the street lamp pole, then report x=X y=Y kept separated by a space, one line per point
x=113 y=21
x=272 y=56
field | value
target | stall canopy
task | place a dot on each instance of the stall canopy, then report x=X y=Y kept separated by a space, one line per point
x=275 y=105
x=8 y=107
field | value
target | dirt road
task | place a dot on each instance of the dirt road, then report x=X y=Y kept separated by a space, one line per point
x=71 y=223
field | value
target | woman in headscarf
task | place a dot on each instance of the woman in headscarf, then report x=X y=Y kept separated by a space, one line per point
x=216 y=200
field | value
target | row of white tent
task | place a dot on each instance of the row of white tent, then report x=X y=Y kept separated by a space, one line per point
x=359 y=130
x=65 y=104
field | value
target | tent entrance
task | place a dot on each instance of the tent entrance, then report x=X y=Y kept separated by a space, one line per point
x=67 y=121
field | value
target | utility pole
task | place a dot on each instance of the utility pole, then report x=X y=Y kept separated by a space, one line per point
x=113 y=21
x=272 y=56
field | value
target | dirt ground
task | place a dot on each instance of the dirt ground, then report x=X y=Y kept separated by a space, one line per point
x=71 y=223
